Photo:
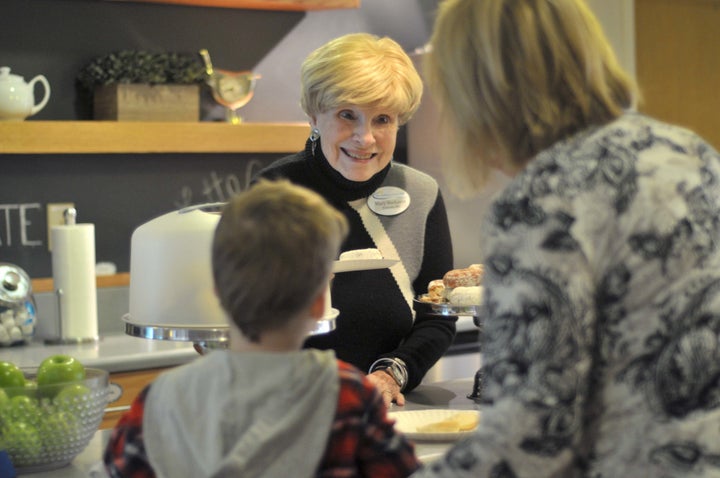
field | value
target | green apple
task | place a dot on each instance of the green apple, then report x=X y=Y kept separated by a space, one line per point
x=30 y=388
x=4 y=408
x=22 y=442
x=58 y=429
x=59 y=369
x=72 y=393
x=11 y=376
x=24 y=409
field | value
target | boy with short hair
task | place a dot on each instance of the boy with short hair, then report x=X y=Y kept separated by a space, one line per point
x=265 y=407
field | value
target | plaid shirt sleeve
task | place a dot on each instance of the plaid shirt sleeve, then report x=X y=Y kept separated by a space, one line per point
x=125 y=454
x=363 y=440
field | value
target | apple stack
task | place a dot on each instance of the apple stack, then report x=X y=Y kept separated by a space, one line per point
x=49 y=415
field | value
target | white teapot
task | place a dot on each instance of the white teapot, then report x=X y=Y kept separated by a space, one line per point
x=17 y=98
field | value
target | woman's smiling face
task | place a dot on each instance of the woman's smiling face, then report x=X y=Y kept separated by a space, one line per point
x=357 y=141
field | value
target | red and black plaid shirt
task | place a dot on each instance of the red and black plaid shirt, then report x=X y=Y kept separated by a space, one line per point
x=362 y=439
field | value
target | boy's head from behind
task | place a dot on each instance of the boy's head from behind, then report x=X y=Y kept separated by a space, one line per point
x=272 y=254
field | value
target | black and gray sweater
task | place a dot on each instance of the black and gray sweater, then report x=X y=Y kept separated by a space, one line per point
x=375 y=318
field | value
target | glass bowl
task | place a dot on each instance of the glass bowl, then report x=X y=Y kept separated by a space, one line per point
x=46 y=427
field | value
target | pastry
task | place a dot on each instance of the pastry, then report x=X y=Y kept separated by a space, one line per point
x=478 y=267
x=465 y=296
x=470 y=276
x=436 y=290
x=432 y=300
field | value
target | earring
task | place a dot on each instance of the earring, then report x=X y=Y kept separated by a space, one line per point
x=314 y=136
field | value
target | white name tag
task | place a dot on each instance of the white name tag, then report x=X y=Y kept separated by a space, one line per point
x=389 y=201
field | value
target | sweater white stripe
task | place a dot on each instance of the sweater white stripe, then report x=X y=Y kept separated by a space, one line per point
x=386 y=247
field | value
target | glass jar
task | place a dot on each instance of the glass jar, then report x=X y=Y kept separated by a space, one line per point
x=18 y=314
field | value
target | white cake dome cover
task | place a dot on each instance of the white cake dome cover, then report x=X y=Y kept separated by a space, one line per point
x=171 y=282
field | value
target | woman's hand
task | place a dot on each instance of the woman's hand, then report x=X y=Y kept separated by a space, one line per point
x=388 y=387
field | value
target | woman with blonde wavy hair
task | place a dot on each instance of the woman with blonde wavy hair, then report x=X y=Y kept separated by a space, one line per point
x=357 y=91
x=602 y=267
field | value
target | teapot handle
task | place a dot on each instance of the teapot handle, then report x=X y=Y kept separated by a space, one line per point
x=45 y=99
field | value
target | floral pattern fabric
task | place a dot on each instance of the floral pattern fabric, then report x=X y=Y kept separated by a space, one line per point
x=601 y=355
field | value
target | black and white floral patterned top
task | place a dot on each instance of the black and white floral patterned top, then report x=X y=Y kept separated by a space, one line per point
x=602 y=296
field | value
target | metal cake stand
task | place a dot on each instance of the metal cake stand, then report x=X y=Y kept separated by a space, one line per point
x=205 y=338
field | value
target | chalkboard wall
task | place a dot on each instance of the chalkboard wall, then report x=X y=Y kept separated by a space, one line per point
x=116 y=193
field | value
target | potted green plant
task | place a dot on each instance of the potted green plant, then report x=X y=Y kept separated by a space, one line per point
x=134 y=85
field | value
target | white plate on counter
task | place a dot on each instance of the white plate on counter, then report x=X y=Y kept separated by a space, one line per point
x=350 y=265
x=408 y=422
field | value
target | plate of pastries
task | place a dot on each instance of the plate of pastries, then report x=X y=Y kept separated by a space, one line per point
x=459 y=292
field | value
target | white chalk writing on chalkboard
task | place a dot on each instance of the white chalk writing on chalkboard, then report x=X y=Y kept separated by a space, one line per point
x=218 y=188
x=16 y=215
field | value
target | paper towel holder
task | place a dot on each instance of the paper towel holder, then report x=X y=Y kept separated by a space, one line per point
x=60 y=340
x=70 y=216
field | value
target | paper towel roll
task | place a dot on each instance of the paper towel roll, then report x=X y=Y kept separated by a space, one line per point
x=73 y=265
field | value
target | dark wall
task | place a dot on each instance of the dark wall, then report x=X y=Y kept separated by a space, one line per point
x=119 y=192
x=57 y=37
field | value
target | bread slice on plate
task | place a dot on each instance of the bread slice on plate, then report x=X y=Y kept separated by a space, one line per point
x=460 y=421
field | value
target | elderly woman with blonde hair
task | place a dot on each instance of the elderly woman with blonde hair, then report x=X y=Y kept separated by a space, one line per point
x=357 y=91
x=602 y=267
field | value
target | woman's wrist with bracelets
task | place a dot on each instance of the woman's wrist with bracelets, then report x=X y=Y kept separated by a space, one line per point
x=394 y=367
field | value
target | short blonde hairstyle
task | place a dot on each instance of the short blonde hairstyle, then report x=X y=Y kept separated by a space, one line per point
x=272 y=253
x=513 y=77
x=360 y=69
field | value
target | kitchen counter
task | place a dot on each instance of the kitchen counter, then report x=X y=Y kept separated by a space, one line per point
x=447 y=394
x=114 y=353
x=124 y=353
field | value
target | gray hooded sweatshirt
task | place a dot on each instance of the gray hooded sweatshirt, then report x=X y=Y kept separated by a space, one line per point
x=242 y=414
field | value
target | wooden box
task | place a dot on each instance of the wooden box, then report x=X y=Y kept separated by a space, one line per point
x=141 y=102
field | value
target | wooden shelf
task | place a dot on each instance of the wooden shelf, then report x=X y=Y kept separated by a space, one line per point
x=85 y=137
x=292 y=5
x=121 y=279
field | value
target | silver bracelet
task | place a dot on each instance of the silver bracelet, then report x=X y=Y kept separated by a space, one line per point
x=395 y=367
